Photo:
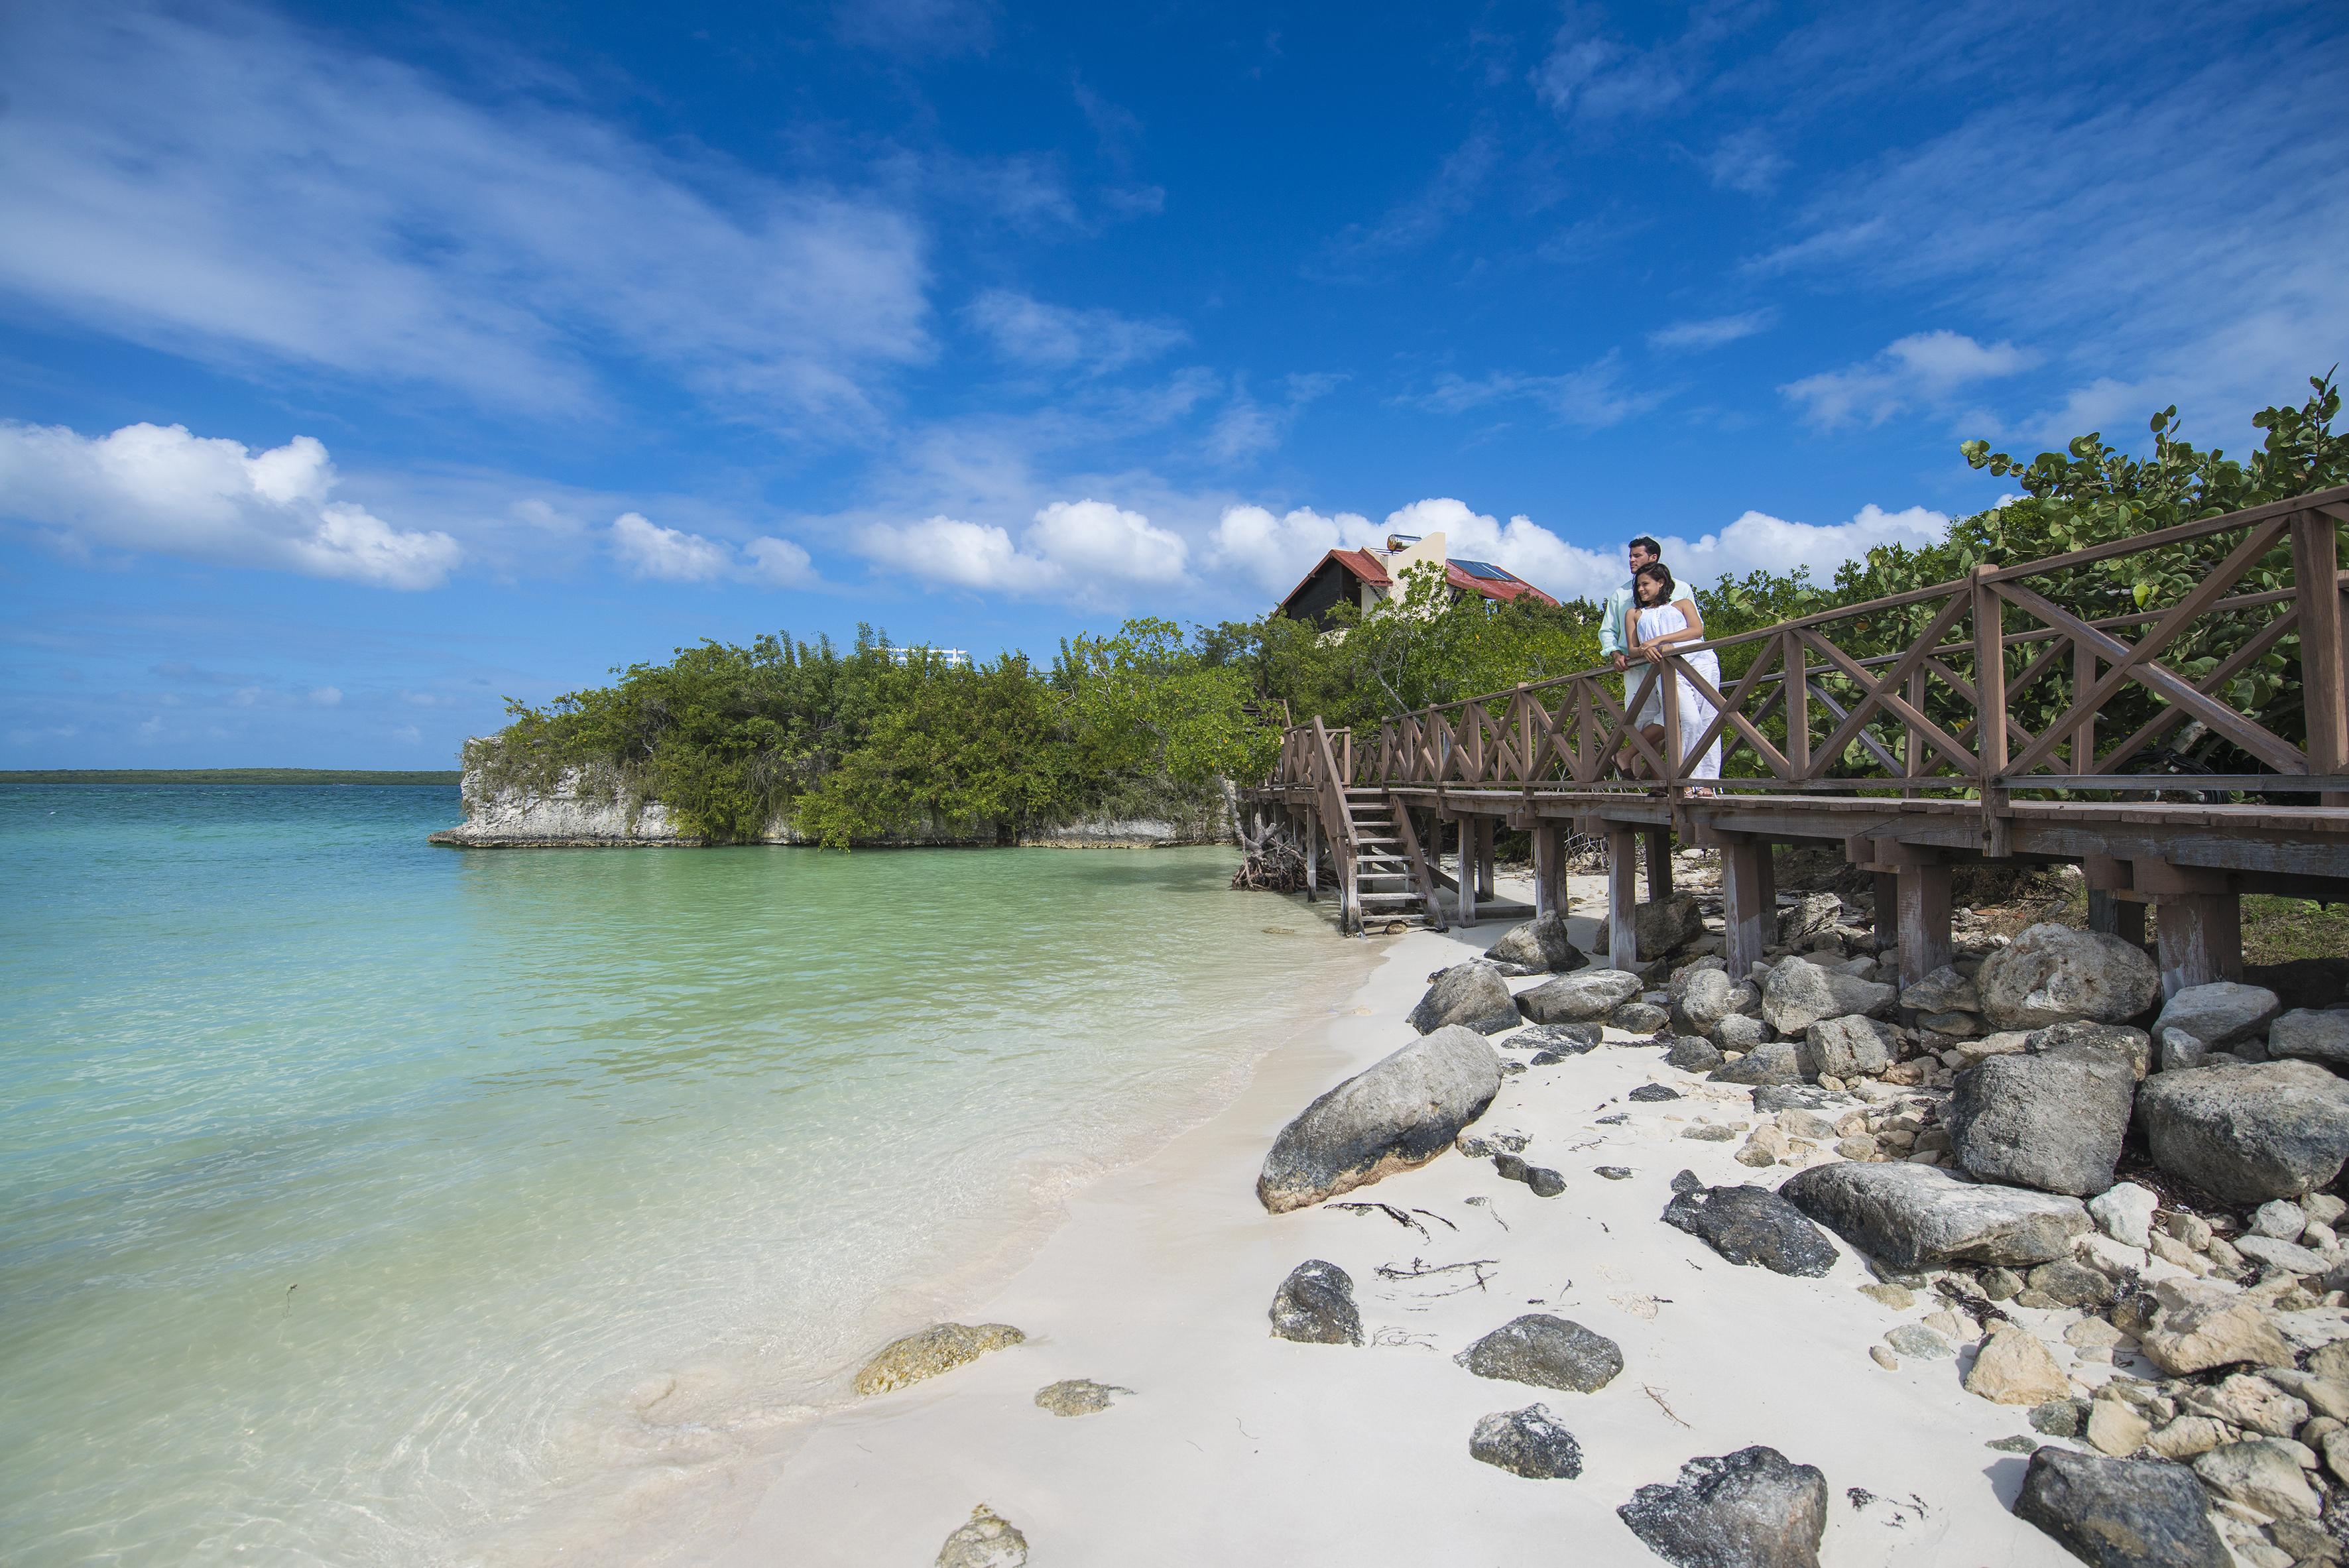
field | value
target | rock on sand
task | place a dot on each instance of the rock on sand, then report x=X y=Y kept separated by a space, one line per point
x=985 y=1541
x=2121 y=1513
x=1315 y=1305
x=941 y=1348
x=1472 y=994
x=2052 y=973
x=1528 y=1442
x=2053 y=1121
x=1550 y=1352
x=1753 y=1225
x=1577 y=998
x=1751 y=1509
x=2247 y=1133
x=1538 y=944
x=1398 y=1113
x=1916 y=1216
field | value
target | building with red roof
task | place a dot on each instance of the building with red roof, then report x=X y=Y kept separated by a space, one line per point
x=1368 y=577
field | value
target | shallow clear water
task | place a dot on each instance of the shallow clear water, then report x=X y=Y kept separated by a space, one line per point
x=360 y=1198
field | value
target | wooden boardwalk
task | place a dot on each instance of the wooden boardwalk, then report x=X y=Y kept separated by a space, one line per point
x=1861 y=728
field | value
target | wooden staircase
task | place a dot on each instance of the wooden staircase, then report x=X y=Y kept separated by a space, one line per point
x=1386 y=877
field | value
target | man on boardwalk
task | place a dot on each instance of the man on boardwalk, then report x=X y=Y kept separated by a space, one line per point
x=1613 y=622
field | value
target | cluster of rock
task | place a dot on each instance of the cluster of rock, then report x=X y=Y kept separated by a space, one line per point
x=1968 y=1134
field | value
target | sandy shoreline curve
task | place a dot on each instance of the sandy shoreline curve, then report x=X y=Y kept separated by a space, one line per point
x=1237 y=1447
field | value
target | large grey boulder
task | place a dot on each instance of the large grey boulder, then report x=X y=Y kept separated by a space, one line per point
x=1751 y=1509
x=1551 y=1352
x=1664 y=924
x=1472 y=994
x=1738 y=1032
x=1399 y=1112
x=2219 y=1013
x=1942 y=991
x=2121 y=1513
x=1701 y=998
x=2310 y=1036
x=1808 y=916
x=1528 y=1442
x=1916 y=1216
x=1753 y=1225
x=2246 y=1132
x=1574 y=998
x=1538 y=944
x=1692 y=1053
x=2134 y=1044
x=2051 y=1119
x=1798 y=994
x=1315 y=1305
x=1847 y=1048
x=1771 y=1062
x=2052 y=974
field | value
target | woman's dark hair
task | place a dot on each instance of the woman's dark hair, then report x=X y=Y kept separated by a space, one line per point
x=1661 y=574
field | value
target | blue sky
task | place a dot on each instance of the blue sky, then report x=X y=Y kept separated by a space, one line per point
x=355 y=373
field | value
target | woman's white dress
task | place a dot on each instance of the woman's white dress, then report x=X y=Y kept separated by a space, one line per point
x=1696 y=711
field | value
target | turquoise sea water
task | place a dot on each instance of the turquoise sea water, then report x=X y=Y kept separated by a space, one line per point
x=363 y=1202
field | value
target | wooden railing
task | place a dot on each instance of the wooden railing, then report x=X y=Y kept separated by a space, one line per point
x=1890 y=695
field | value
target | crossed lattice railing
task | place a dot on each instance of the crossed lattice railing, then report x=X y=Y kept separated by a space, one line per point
x=2096 y=669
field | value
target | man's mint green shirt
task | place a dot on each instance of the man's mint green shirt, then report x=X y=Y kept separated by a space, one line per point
x=1610 y=623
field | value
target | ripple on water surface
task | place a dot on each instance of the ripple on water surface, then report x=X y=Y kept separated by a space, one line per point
x=358 y=1197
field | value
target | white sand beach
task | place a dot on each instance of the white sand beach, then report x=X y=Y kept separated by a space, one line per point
x=1238 y=1447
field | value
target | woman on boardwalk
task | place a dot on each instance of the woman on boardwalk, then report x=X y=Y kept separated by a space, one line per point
x=1663 y=620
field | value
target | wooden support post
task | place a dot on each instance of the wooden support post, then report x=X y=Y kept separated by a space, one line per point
x=2325 y=689
x=1887 y=911
x=2198 y=924
x=1312 y=853
x=2193 y=932
x=2115 y=906
x=1486 y=832
x=1751 y=918
x=1660 y=863
x=1466 y=835
x=1922 y=900
x=2083 y=733
x=1622 y=897
x=1989 y=727
x=1798 y=665
x=1550 y=888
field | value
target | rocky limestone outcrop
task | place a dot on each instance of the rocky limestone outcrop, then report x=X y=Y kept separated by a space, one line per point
x=1078 y=1396
x=2052 y=1119
x=1702 y=997
x=1399 y=1112
x=1916 y=1216
x=2247 y=1132
x=1473 y=996
x=1849 y=1048
x=2052 y=974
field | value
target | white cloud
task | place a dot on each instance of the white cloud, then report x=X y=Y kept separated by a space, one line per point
x=1056 y=337
x=668 y=554
x=1923 y=369
x=1712 y=331
x=916 y=27
x=778 y=563
x=948 y=550
x=327 y=696
x=1088 y=548
x=1272 y=553
x=1091 y=539
x=161 y=488
x=1745 y=161
x=410 y=734
x=662 y=554
x=220 y=183
x=1592 y=396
